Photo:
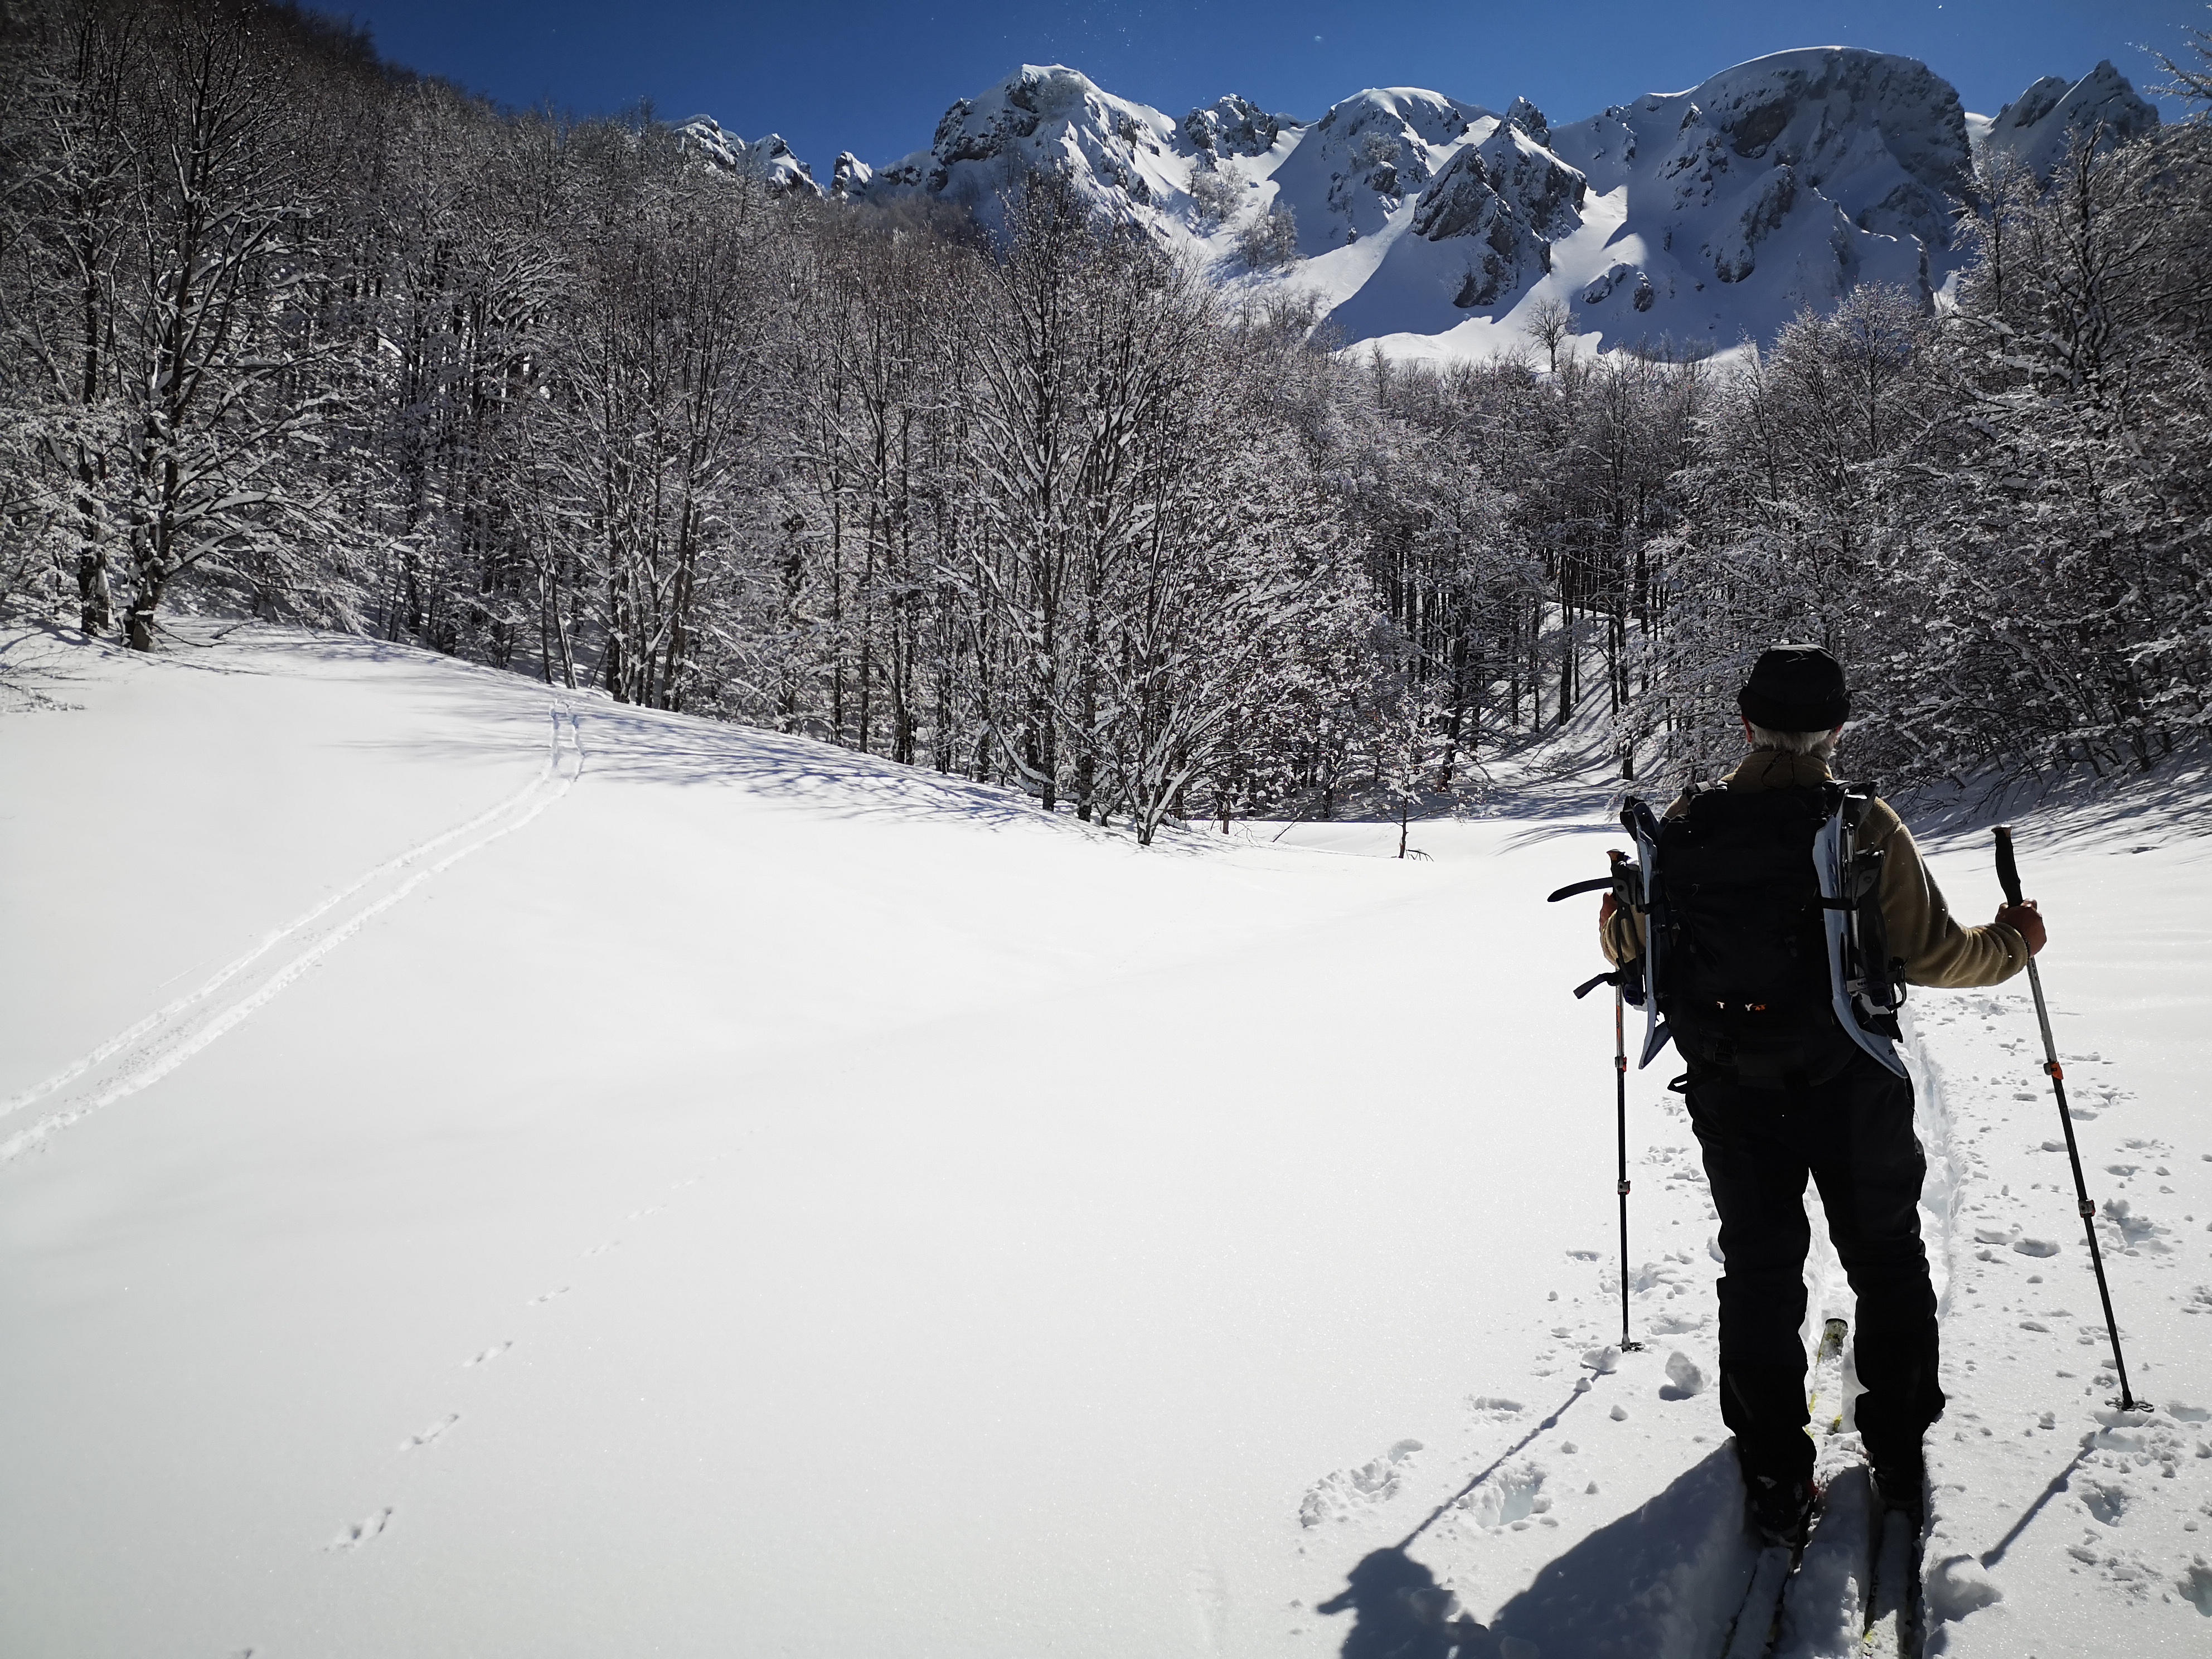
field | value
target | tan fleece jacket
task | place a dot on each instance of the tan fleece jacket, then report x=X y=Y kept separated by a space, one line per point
x=1935 y=949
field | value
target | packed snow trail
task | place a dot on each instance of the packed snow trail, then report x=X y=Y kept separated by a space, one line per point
x=788 y=1202
x=1893 y=1595
x=156 y=1045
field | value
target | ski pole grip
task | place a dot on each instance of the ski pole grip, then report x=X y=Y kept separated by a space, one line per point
x=1595 y=884
x=2007 y=871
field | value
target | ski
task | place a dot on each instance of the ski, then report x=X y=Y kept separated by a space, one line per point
x=1894 y=1592
x=1757 y=1627
x=1749 y=1634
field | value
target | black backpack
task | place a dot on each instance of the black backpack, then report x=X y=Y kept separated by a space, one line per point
x=1739 y=954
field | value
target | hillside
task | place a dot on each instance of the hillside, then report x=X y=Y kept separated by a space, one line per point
x=485 y=1169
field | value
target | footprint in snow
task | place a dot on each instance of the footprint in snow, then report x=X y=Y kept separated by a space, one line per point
x=540 y=1301
x=2106 y=1503
x=1343 y=1493
x=2196 y=1586
x=1510 y=1498
x=488 y=1355
x=361 y=1531
x=431 y=1433
x=2135 y=1232
x=601 y=1249
x=1959 y=1585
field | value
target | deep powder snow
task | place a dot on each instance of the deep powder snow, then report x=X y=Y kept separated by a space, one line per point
x=485 y=1170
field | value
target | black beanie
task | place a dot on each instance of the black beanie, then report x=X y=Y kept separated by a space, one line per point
x=1795 y=687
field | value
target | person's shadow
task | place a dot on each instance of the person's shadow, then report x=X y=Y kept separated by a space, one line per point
x=1658 y=1583
x=1402 y=1613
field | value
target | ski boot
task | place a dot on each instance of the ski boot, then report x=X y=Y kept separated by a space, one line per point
x=1780 y=1510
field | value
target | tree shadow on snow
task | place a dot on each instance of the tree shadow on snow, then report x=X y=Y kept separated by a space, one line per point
x=1660 y=1582
x=623 y=744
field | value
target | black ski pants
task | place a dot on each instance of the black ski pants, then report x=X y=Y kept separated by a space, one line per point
x=1853 y=1134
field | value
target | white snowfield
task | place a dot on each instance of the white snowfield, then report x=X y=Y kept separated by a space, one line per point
x=484 y=1170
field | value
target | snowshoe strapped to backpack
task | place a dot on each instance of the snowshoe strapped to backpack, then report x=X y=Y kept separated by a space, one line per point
x=1761 y=920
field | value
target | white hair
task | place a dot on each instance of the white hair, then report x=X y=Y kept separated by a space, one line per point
x=1819 y=745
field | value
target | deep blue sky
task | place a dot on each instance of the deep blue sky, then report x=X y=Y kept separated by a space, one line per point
x=873 y=78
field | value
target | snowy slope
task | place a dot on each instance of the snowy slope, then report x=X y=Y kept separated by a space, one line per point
x=1428 y=226
x=485 y=1170
x=1774 y=185
x=1415 y=210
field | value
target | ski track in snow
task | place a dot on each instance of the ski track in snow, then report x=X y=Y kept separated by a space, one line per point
x=156 y=1045
x=149 y=1050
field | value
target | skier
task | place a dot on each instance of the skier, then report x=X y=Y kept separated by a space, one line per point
x=1777 y=1088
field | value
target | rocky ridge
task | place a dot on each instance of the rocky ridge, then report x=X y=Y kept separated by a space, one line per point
x=768 y=158
x=1699 y=218
x=2036 y=128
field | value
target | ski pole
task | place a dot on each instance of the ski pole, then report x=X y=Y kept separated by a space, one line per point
x=1618 y=979
x=1620 y=1122
x=2008 y=878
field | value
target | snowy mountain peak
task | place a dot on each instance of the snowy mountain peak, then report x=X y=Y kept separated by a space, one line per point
x=1233 y=126
x=1530 y=119
x=1510 y=197
x=1702 y=217
x=2037 y=128
x=1776 y=184
x=1125 y=157
x=1883 y=130
x=850 y=176
x=1369 y=155
x=770 y=159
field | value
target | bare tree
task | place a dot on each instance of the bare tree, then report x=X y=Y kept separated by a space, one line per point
x=208 y=459
x=74 y=161
x=1552 y=323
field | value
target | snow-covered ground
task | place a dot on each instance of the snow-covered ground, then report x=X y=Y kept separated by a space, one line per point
x=491 y=1171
